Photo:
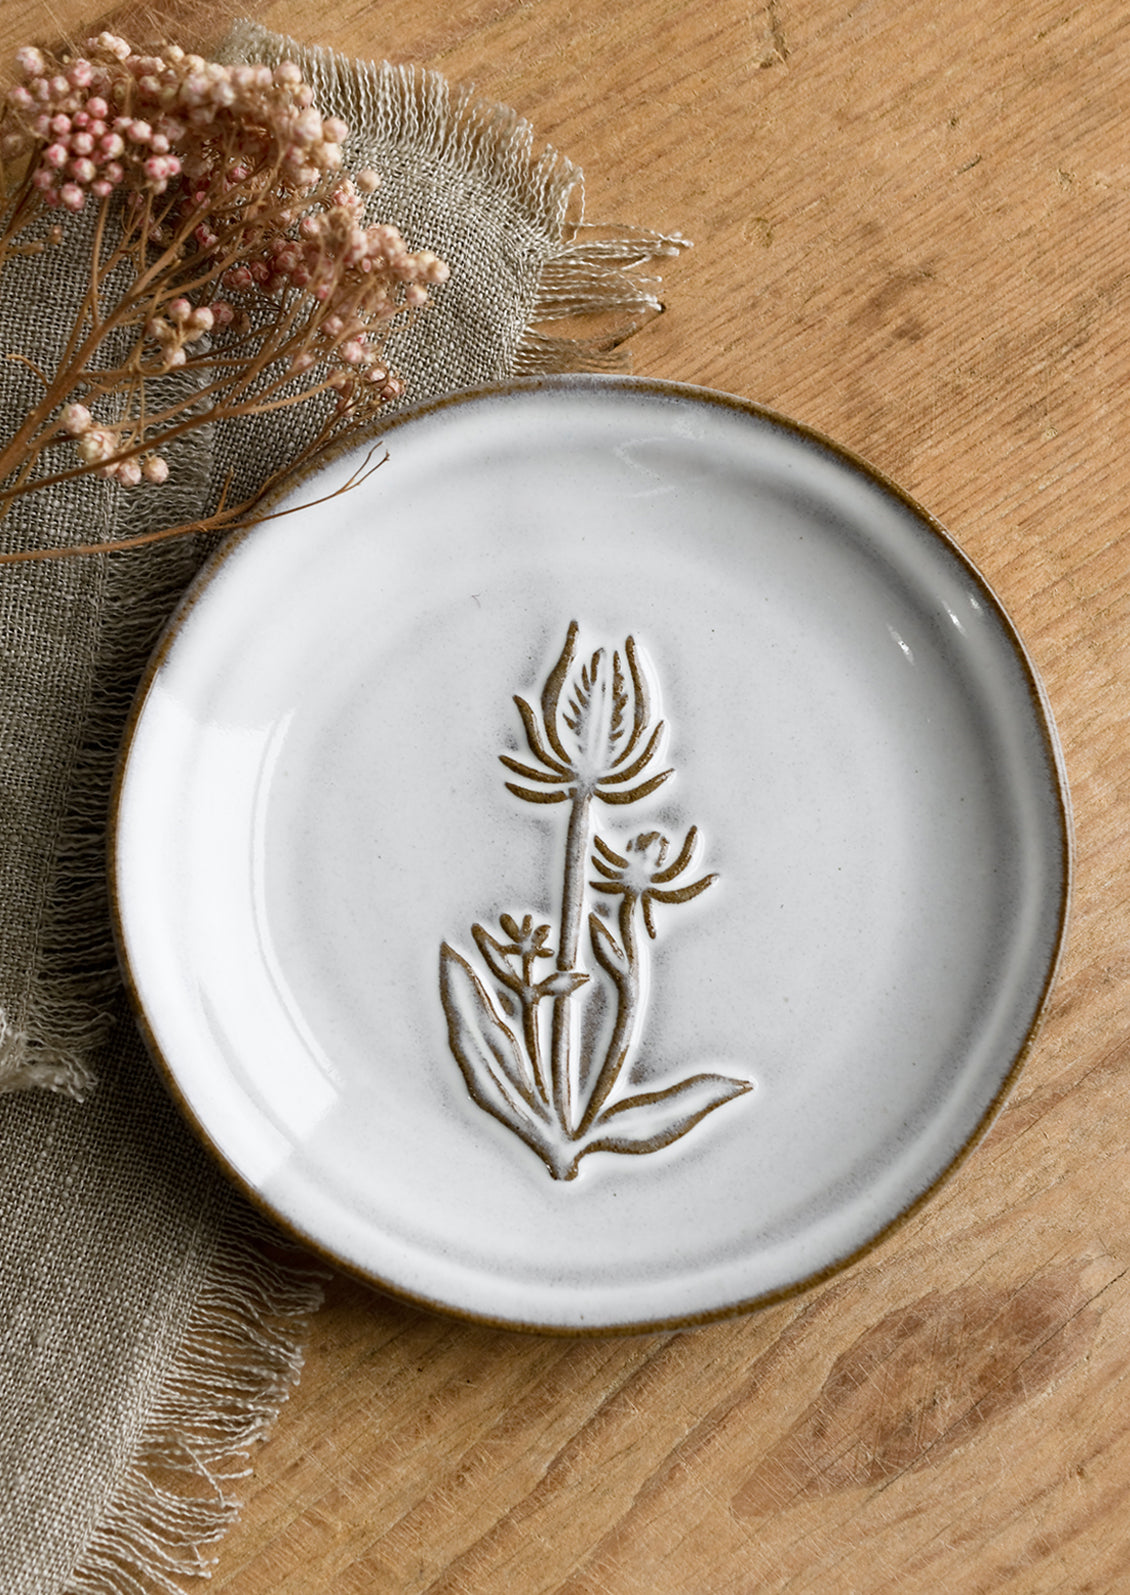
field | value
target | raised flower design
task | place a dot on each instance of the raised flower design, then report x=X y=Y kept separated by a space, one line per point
x=596 y=738
x=643 y=875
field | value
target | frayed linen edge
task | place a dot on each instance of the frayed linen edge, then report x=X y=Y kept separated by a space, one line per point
x=588 y=271
x=592 y=274
x=69 y=1006
x=238 y=1359
x=26 y=1065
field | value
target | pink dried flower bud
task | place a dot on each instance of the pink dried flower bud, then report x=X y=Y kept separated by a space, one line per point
x=368 y=181
x=97 y=444
x=82 y=143
x=55 y=155
x=301 y=362
x=31 y=61
x=194 y=89
x=59 y=86
x=112 y=145
x=140 y=132
x=72 y=196
x=154 y=469
x=175 y=357
x=97 y=108
x=334 y=130
x=43 y=178
x=20 y=98
x=352 y=352
x=287 y=74
x=80 y=73
x=201 y=319
x=101 y=189
x=11 y=145
x=129 y=473
x=83 y=170
x=222 y=313
x=306 y=128
x=61 y=125
x=113 y=46
x=415 y=296
x=75 y=419
x=179 y=310
x=113 y=173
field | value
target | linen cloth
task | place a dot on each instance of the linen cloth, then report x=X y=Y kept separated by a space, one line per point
x=149 y=1326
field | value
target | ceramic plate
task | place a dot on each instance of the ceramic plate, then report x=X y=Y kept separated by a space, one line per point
x=600 y=871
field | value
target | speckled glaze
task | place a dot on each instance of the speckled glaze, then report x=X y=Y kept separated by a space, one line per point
x=320 y=792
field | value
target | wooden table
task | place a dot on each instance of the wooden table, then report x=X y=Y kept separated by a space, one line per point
x=912 y=231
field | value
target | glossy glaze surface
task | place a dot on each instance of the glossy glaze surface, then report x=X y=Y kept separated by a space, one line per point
x=313 y=805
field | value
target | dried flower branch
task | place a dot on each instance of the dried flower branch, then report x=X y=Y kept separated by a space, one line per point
x=226 y=247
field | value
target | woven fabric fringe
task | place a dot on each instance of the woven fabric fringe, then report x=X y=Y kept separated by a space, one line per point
x=70 y=1000
x=239 y=1359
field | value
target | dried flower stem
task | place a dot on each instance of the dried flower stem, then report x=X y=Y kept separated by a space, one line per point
x=220 y=520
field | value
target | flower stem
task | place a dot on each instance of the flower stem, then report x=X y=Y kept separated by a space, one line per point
x=627 y=1005
x=530 y=1024
x=572 y=903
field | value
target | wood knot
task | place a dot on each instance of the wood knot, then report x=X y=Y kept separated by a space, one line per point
x=924 y=1380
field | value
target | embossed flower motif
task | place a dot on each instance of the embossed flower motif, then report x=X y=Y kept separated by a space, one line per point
x=595 y=737
x=642 y=875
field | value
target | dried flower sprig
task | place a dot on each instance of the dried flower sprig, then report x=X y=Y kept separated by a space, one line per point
x=225 y=244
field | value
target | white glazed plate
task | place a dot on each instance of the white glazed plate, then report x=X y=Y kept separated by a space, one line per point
x=601 y=871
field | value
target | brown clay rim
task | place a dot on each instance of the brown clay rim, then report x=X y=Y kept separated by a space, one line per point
x=1041 y=710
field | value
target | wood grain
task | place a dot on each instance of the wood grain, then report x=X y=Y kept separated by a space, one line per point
x=910 y=227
